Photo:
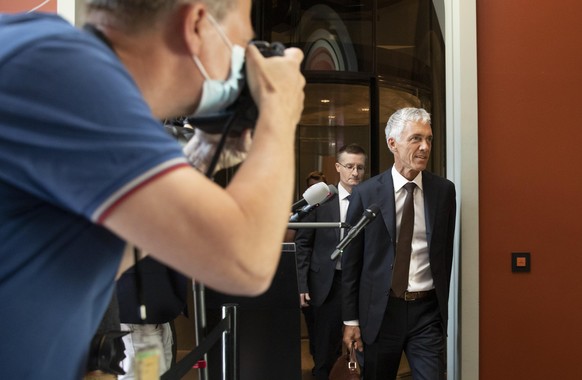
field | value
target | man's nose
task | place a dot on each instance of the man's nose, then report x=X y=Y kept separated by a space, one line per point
x=425 y=145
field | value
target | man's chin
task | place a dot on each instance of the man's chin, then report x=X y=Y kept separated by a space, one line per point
x=421 y=165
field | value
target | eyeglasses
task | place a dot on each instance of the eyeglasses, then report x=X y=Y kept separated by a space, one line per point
x=351 y=167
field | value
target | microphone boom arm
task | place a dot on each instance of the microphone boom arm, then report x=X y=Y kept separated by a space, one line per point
x=318 y=225
x=369 y=215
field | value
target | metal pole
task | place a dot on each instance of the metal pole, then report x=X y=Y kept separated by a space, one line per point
x=318 y=225
x=230 y=367
x=200 y=324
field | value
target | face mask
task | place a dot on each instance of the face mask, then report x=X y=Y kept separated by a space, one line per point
x=219 y=94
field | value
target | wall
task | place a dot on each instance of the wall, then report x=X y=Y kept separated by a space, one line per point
x=65 y=8
x=11 y=6
x=529 y=63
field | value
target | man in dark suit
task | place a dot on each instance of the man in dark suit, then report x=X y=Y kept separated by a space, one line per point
x=319 y=277
x=386 y=313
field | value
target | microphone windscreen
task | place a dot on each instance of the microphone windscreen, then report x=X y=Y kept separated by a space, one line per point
x=372 y=211
x=332 y=189
x=316 y=193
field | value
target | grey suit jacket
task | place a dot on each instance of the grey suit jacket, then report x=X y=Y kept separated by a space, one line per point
x=314 y=246
x=367 y=261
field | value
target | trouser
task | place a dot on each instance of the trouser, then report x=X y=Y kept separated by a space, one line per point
x=309 y=323
x=328 y=330
x=414 y=327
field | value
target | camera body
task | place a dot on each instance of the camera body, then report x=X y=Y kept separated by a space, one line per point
x=243 y=113
x=269 y=49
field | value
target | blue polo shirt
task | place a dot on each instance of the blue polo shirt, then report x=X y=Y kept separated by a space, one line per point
x=76 y=139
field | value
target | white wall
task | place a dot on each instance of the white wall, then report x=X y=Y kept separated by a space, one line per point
x=462 y=169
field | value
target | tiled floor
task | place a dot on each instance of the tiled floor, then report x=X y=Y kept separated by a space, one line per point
x=185 y=331
x=306 y=364
x=306 y=360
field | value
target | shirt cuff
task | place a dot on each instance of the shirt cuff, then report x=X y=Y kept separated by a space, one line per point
x=354 y=322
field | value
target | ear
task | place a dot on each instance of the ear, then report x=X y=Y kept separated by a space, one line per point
x=190 y=18
x=337 y=167
x=391 y=144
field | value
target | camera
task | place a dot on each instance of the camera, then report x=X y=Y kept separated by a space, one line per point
x=243 y=113
x=269 y=49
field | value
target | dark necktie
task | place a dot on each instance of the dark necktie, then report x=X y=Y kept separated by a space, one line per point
x=404 y=245
x=343 y=231
x=338 y=264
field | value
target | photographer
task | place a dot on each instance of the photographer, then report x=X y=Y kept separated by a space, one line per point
x=85 y=165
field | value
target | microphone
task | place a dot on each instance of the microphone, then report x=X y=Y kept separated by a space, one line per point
x=369 y=215
x=332 y=189
x=307 y=209
x=314 y=194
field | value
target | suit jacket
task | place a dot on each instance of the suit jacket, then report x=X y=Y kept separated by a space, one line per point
x=314 y=246
x=368 y=260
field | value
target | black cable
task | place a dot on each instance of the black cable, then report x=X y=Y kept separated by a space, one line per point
x=141 y=312
x=220 y=146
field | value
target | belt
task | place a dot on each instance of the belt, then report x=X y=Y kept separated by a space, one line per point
x=414 y=296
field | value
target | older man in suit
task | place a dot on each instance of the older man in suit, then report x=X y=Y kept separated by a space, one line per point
x=319 y=277
x=396 y=273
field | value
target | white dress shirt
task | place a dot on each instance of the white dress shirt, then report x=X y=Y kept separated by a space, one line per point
x=344 y=203
x=419 y=275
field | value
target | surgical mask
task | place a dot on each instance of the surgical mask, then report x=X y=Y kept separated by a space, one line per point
x=217 y=95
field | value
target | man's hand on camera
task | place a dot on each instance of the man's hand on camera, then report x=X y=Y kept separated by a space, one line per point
x=276 y=83
x=201 y=148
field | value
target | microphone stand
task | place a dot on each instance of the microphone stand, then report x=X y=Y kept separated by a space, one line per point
x=200 y=324
x=295 y=225
x=198 y=289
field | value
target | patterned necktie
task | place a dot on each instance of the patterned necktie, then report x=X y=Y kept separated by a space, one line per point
x=404 y=245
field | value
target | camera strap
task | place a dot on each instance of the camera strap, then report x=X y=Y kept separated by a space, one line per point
x=142 y=311
x=210 y=171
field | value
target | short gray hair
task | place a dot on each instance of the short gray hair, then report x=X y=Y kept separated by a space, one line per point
x=398 y=120
x=134 y=14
